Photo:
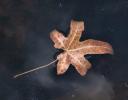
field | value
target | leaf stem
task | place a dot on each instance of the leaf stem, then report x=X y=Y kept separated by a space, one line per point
x=29 y=71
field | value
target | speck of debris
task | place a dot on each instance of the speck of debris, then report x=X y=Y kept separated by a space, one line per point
x=60 y=4
x=73 y=96
x=126 y=84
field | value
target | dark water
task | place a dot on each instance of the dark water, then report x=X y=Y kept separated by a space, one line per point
x=24 y=43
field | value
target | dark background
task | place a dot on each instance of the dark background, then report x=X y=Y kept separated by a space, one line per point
x=25 y=26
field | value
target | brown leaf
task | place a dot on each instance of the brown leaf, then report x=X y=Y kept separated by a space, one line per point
x=74 y=50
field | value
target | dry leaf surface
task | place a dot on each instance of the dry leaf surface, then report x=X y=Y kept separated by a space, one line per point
x=74 y=50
